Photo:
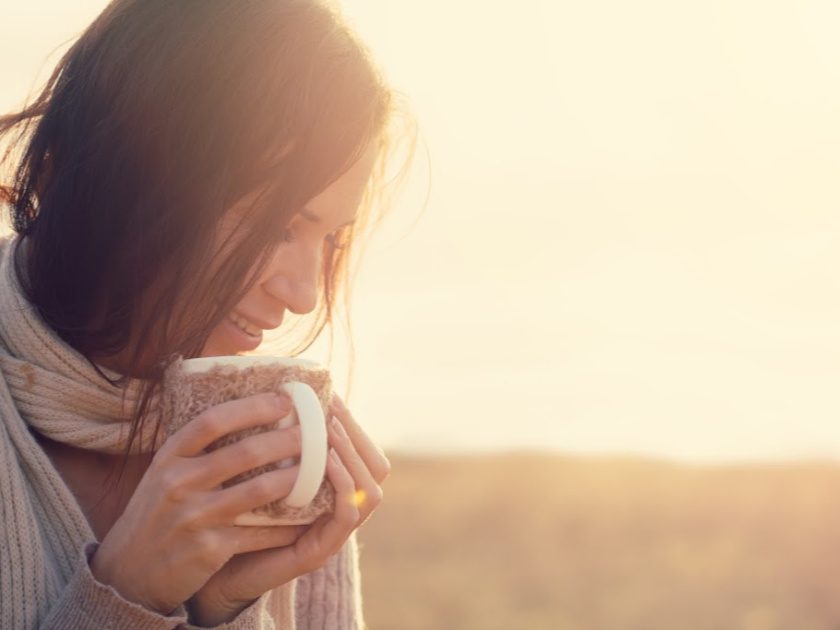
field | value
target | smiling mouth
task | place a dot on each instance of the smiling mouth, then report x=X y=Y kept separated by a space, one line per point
x=244 y=325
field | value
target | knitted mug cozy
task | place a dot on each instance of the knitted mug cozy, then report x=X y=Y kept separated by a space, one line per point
x=187 y=394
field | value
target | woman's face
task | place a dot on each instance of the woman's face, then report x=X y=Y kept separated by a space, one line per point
x=291 y=279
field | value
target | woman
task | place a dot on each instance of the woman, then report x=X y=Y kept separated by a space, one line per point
x=192 y=170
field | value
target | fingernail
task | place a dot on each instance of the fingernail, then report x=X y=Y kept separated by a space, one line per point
x=334 y=456
x=338 y=428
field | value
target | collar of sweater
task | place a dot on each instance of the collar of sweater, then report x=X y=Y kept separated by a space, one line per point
x=56 y=390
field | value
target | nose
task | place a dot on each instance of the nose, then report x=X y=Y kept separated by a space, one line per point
x=294 y=281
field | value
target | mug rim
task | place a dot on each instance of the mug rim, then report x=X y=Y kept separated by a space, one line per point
x=204 y=364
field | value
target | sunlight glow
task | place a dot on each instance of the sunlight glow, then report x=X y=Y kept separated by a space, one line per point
x=359 y=497
x=631 y=243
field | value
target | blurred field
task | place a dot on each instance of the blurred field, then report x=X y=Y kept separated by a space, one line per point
x=603 y=544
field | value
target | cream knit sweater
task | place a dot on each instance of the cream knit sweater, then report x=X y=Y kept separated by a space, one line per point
x=46 y=541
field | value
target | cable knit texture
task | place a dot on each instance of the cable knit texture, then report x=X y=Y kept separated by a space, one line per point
x=188 y=394
x=46 y=542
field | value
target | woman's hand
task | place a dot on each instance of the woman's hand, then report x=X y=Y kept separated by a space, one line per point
x=357 y=472
x=177 y=529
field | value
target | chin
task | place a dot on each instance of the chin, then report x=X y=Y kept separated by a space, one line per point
x=215 y=347
x=218 y=348
x=227 y=339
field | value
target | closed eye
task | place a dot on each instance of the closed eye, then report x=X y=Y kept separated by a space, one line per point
x=339 y=238
x=288 y=235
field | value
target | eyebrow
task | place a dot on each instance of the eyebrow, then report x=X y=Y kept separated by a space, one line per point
x=314 y=218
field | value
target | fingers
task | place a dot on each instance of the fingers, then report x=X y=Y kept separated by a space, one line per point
x=249 y=539
x=321 y=540
x=328 y=534
x=227 y=417
x=228 y=503
x=368 y=493
x=246 y=454
x=373 y=456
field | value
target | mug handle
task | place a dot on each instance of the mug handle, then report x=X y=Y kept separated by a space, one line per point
x=313 y=432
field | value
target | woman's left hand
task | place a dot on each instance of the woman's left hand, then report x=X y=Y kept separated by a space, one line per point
x=263 y=565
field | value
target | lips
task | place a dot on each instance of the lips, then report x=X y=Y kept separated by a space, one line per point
x=244 y=325
x=239 y=339
x=252 y=326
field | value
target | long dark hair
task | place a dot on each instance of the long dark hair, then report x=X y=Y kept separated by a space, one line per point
x=156 y=121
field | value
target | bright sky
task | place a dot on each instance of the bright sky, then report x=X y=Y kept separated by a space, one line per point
x=631 y=243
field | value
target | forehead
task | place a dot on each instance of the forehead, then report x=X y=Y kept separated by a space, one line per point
x=336 y=203
x=340 y=200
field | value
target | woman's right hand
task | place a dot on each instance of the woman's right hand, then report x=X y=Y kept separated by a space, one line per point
x=177 y=529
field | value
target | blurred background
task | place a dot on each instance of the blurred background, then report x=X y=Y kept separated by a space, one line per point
x=599 y=336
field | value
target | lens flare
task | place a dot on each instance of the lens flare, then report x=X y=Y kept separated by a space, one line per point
x=359 y=498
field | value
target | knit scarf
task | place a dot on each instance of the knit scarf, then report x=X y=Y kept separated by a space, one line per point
x=48 y=387
x=56 y=390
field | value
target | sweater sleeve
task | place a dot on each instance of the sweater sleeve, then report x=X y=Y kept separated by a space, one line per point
x=88 y=604
x=326 y=599
x=330 y=598
x=273 y=610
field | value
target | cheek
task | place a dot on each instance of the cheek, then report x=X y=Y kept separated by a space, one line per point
x=215 y=343
x=218 y=342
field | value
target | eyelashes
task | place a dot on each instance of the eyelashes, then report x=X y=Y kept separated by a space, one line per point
x=338 y=239
x=287 y=235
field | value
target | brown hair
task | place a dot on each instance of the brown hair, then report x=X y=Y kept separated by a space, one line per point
x=155 y=122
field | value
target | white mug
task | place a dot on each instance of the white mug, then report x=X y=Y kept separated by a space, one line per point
x=306 y=411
